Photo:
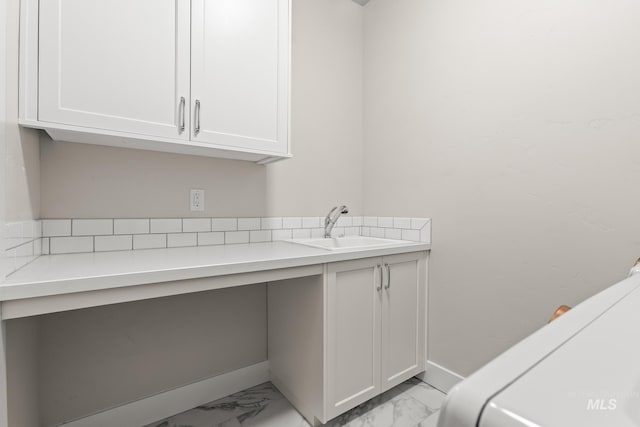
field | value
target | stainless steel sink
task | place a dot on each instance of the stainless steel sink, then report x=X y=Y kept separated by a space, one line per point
x=348 y=242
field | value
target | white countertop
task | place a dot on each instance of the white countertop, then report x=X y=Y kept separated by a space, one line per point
x=62 y=274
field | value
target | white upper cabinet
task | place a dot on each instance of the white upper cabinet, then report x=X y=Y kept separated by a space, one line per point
x=240 y=73
x=118 y=65
x=205 y=77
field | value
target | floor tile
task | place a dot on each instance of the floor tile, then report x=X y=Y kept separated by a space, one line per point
x=432 y=421
x=391 y=409
x=424 y=393
x=410 y=404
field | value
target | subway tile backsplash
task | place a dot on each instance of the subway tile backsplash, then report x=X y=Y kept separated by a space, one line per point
x=71 y=245
x=28 y=240
x=224 y=224
x=56 y=227
x=292 y=222
x=113 y=243
x=23 y=243
x=182 y=240
x=271 y=223
x=235 y=237
x=311 y=222
x=282 y=234
x=153 y=233
x=248 y=224
x=149 y=241
x=91 y=227
x=131 y=226
x=166 y=225
x=257 y=236
x=210 y=239
x=190 y=225
x=302 y=233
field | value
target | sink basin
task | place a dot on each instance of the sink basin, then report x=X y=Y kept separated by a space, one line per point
x=348 y=242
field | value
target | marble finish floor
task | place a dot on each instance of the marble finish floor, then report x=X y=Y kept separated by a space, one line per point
x=410 y=404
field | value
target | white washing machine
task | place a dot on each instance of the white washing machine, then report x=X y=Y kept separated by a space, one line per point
x=582 y=370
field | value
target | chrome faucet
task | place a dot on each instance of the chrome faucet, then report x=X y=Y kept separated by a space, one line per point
x=330 y=221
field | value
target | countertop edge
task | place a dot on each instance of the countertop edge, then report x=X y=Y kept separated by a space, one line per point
x=24 y=289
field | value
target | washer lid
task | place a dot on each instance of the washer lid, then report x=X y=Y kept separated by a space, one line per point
x=476 y=395
x=592 y=380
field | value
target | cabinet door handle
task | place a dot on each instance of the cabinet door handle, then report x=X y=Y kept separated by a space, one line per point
x=379 y=267
x=181 y=115
x=196 y=130
x=388 y=277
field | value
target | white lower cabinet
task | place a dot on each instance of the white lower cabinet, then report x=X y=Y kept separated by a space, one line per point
x=369 y=327
x=403 y=320
x=353 y=334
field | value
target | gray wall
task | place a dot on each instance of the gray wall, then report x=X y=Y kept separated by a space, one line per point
x=84 y=181
x=22 y=158
x=23 y=373
x=4 y=262
x=516 y=126
x=102 y=357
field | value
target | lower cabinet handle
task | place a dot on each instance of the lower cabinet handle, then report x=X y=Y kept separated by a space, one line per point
x=379 y=267
x=181 y=115
x=196 y=130
x=388 y=276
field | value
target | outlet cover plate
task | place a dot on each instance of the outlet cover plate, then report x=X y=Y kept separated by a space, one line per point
x=196 y=200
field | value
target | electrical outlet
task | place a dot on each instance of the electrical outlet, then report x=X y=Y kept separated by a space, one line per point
x=197 y=200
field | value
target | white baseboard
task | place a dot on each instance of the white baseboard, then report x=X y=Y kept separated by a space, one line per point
x=440 y=377
x=163 y=405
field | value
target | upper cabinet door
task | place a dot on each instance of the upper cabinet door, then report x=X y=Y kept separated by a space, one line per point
x=403 y=311
x=120 y=65
x=240 y=73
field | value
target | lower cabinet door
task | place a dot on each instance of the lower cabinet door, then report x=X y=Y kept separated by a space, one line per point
x=403 y=311
x=352 y=349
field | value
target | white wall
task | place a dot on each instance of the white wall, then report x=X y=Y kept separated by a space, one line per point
x=17 y=412
x=4 y=262
x=19 y=149
x=22 y=371
x=88 y=181
x=327 y=168
x=22 y=183
x=516 y=126
x=98 y=358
